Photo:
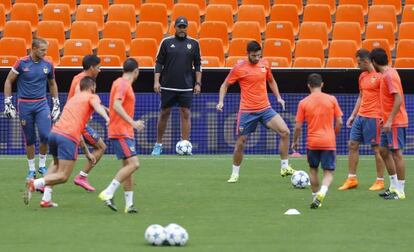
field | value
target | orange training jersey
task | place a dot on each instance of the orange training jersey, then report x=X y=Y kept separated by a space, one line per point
x=369 y=87
x=391 y=84
x=75 y=115
x=252 y=80
x=75 y=83
x=319 y=110
x=118 y=127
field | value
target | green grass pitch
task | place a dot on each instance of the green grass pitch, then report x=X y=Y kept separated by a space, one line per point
x=192 y=191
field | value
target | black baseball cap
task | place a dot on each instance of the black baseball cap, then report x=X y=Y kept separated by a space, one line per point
x=181 y=21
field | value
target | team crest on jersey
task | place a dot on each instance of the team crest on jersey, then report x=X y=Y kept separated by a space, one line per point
x=189 y=46
x=23 y=122
x=263 y=69
x=373 y=79
x=45 y=70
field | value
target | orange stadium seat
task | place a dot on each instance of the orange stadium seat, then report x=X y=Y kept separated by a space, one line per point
x=210 y=61
x=314 y=30
x=297 y=3
x=53 y=50
x=110 y=60
x=281 y=30
x=190 y=11
x=168 y=3
x=150 y=30
x=103 y=3
x=370 y=44
x=144 y=47
x=286 y=12
x=155 y=13
x=123 y=12
x=135 y=3
x=144 y=61
x=309 y=48
x=71 y=61
x=25 y=12
x=7 y=4
x=201 y=5
x=71 y=3
x=39 y=4
x=308 y=62
x=340 y=63
x=405 y=48
x=58 y=12
x=2 y=17
x=379 y=30
x=409 y=2
x=404 y=63
x=343 y=49
x=330 y=3
x=347 y=31
x=13 y=47
x=249 y=30
x=192 y=29
x=112 y=47
x=277 y=61
x=85 y=30
x=52 y=29
x=408 y=14
x=278 y=48
x=212 y=47
x=234 y=5
x=233 y=60
x=351 y=13
x=253 y=13
x=406 y=31
x=238 y=47
x=396 y=3
x=77 y=47
x=7 y=60
x=362 y=3
x=93 y=13
x=383 y=13
x=19 y=29
x=220 y=13
x=318 y=13
x=264 y=3
x=118 y=29
x=215 y=29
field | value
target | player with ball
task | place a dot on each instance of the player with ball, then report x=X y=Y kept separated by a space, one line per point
x=319 y=110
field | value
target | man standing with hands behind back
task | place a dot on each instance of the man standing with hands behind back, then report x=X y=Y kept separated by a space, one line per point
x=174 y=79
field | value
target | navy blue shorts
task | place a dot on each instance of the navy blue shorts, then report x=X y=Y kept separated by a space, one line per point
x=327 y=159
x=247 y=121
x=90 y=135
x=366 y=130
x=124 y=147
x=62 y=147
x=395 y=139
x=32 y=114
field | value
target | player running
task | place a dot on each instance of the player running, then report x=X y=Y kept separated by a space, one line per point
x=319 y=110
x=365 y=122
x=255 y=106
x=64 y=139
x=395 y=122
x=121 y=134
x=91 y=68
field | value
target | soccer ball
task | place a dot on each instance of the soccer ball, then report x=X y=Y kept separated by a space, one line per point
x=155 y=235
x=176 y=235
x=300 y=179
x=183 y=147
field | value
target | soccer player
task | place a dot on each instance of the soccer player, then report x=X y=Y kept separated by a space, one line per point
x=91 y=68
x=121 y=135
x=319 y=110
x=255 y=106
x=64 y=139
x=395 y=122
x=365 y=122
x=32 y=74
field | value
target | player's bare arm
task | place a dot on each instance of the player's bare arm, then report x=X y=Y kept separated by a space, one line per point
x=197 y=86
x=100 y=110
x=157 y=85
x=296 y=133
x=354 y=112
x=338 y=124
x=222 y=94
x=138 y=125
x=85 y=150
x=275 y=89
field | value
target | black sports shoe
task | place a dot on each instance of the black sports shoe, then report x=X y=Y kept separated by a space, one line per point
x=111 y=204
x=131 y=210
x=385 y=193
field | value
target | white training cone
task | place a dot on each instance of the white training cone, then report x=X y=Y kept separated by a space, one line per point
x=292 y=211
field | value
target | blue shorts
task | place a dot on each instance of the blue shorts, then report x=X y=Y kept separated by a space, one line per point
x=124 y=147
x=62 y=147
x=394 y=140
x=366 y=130
x=90 y=135
x=32 y=114
x=327 y=159
x=247 y=121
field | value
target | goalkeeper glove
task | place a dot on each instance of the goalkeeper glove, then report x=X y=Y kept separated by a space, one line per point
x=9 y=109
x=56 y=109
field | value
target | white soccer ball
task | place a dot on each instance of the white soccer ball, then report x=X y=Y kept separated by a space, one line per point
x=184 y=147
x=155 y=235
x=176 y=235
x=300 y=179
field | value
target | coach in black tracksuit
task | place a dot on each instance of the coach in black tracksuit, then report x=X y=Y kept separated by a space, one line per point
x=177 y=59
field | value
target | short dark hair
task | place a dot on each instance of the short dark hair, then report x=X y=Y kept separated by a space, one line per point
x=253 y=46
x=86 y=83
x=89 y=61
x=362 y=54
x=130 y=65
x=315 y=80
x=37 y=41
x=379 y=56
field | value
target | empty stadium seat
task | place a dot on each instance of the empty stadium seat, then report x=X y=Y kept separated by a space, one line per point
x=39 y=4
x=351 y=13
x=250 y=30
x=13 y=47
x=264 y=3
x=212 y=47
x=123 y=12
x=318 y=13
x=85 y=30
x=286 y=12
x=383 y=13
x=144 y=61
x=155 y=13
x=277 y=61
x=309 y=48
x=2 y=17
x=53 y=50
x=297 y=3
x=233 y=4
x=58 y=12
x=215 y=29
x=190 y=11
x=201 y=5
x=405 y=48
x=396 y=3
x=370 y=44
x=362 y=3
x=7 y=4
x=330 y=3
x=144 y=47
x=71 y=61
x=340 y=63
x=278 y=48
x=233 y=60
x=19 y=29
x=25 y=12
x=103 y=3
x=238 y=47
x=406 y=31
x=404 y=63
x=135 y=3
x=343 y=49
x=379 y=30
x=281 y=30
x=347 y=31
x=307 y=62
x=408 y=14
x=77 y=47
x=110 y=60
x=220 y=12
x=112 y=47
x=150 y=30
x=210 y=61
x=52 y=29
x=314 y=30
x=253 y=13
x=120 y=30
x=92 y=13
x=7 y=60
